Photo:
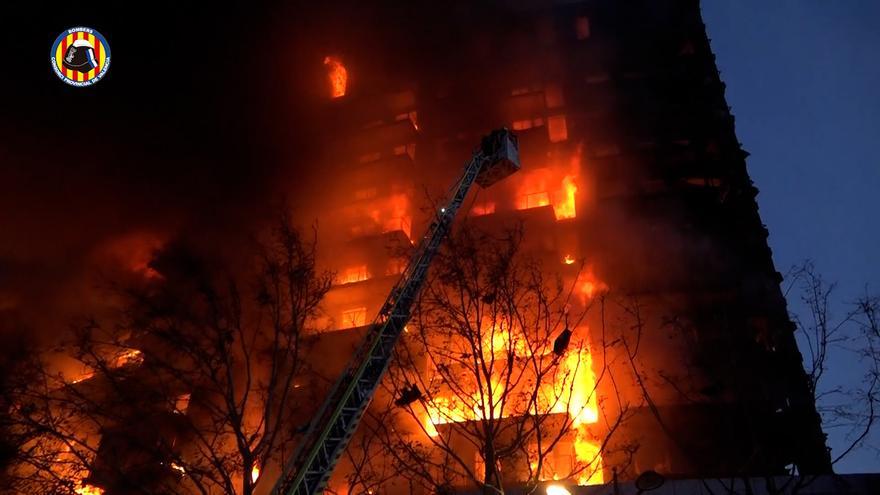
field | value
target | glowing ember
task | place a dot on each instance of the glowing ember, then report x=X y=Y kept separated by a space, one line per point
x=337 y=75
x=177 y=467
x=83 y=377
x=130 y=357
x=557 y=490
x=255 y=473
x=568 y=260
x=86 y=489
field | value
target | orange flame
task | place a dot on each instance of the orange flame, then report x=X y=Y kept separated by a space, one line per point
x=255 y=473
x=565 y=207
x=354 y=274
x=568 y=260
x=573 y=394
x=337 y=75
x=543 y=188
x=86 y=489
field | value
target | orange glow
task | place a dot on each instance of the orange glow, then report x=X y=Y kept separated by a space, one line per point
x=555 y=184
x=573 y=394
x=588 y=286
x=83 y=377
x=354 y=274
x=255 y=473
x=87 y=489
x=356 y=317
x=565 y=207
x=483 y=209
x=337 y=76
x=130 y=357
x=568 y=260
x=395 y=210
x=134 y=252
x=557 y=129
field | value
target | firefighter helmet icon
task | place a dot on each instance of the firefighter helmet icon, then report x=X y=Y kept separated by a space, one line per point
x=80 y=56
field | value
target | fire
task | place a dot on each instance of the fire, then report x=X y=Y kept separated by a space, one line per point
x=129 y=357
x=588 y=286
x=573 y=393
x=87 y=489
x=483 y=209
x=557 y=490
x=565 y=207
x=354 y=274
x=255 y=473
x=568 y=260
x=545 y=187
x=337 y=75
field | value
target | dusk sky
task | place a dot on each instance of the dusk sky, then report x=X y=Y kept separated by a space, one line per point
x=803 y=80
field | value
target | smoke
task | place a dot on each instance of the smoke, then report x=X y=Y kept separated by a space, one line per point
x=208 y=120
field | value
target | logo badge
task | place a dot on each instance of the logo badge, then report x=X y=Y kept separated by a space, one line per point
x=80 y=56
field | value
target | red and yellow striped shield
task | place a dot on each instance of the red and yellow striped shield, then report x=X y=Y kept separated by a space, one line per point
x=93 y=48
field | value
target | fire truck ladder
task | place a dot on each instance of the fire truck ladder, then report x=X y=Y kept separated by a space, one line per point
x=332 y=427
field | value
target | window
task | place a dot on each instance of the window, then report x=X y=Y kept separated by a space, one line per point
x=521 y=125
x=406 y=149
x=396 y=266
x=355 y=317
x=483 y=209
x=354 y=274
x=535 y=200
x=557 y=129
x=582 y=27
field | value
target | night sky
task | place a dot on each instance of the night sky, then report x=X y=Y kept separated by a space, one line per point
x=187 y=132
x=803 y=79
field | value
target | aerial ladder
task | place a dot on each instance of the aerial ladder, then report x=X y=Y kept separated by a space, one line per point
x=332 y=427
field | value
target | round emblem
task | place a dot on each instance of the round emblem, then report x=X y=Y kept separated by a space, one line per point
x=80 y=56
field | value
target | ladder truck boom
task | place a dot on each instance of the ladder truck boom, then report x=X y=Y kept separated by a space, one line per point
x=332 y=427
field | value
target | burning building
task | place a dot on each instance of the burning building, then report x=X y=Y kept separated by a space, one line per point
x=669 y=348
x=634 y=191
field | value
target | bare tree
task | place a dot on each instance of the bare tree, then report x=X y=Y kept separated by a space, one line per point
x=191 y=390
x=493 y=382
x=824 y=338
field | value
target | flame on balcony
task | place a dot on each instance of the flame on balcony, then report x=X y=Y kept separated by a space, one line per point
x=354 y=274
x=572 y=393
x=337 y=75
x=545 y=187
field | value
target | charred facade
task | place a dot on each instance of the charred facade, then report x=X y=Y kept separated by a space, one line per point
x=630 y=162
